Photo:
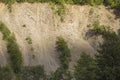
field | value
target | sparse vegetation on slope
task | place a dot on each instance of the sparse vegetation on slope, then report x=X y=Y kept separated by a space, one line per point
x=64 y=56
x=58 y=10
x=16 y=60
x=64 y=52
x=108 y=51
x=111 y=3
x=106 y=64
x=4 y=30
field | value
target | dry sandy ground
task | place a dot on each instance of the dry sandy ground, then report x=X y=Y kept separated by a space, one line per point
x=38 y=22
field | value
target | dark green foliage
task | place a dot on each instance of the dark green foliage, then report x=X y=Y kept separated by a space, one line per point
x=64 y=56
x=15 y=55
x=106 y=65
x=112 y=3
x=58 y=1
x=107 y=33
x=85 y=68
x=32 y=73
x=69 y=1
x=64 y=52
x=91 y=2
x=6 y=73
x=32 y=1
x=8 y=1
x=78 y=1
x=98 y=2
x=108 y=59
x=58 y=74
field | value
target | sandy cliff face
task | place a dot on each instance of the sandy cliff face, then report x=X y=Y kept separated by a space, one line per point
x=38 y=22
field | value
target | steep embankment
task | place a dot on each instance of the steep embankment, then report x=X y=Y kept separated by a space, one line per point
x=36 y=28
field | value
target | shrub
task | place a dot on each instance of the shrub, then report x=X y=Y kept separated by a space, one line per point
x=27 y=73
x=58 y=1
x=64 y=56
x=98 y=2
x=85 y=68
x=104 y=30
x=32 y=73
x=108 y=59
x=58 y=74
x=15 y=55
x=69 y=1
x=8 y=1
x=64 y=51
x=5 y=31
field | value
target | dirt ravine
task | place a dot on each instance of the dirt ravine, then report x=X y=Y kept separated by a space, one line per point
x=38 y=22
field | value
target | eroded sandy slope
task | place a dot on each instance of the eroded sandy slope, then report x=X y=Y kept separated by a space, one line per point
x=38 y=22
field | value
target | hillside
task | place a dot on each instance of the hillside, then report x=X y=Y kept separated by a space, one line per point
x=35 y=28
x=38 y=22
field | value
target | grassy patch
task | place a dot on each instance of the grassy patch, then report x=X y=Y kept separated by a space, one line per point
x=5 y=31
x=58 y=10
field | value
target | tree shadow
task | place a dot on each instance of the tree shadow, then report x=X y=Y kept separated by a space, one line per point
x=117 y=12
x=90 y=33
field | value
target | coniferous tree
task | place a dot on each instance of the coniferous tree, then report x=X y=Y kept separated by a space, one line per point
x=85 y=68
x=108 y=59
